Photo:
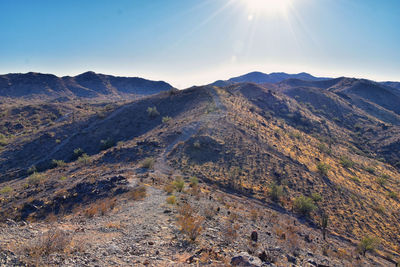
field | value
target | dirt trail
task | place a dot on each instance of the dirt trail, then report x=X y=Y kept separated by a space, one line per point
x=161 y=166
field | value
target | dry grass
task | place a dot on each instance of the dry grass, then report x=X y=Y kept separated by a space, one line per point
x=189 y=222
x=100 y=207
x=137 y=193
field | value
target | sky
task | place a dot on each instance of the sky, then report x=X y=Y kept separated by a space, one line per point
x=194 y=42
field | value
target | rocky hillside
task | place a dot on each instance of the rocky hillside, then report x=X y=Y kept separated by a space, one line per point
x=86 y=85
x=297 y=172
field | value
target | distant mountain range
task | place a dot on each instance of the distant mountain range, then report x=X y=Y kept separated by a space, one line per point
x=85 y=85
x=260 y=78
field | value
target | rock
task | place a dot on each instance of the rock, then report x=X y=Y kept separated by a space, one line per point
x=244 y=259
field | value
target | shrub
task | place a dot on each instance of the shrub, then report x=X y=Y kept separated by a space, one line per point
x=106 y=144
x=346 y=162
x=304 y=205
x=323 y=168
x=54 y=241
x=152 y=112
x=137 y=193
x=84 y=159
x=63 y=178
x=316 y=197
x=324 y=148
x=393 y=195
x=148 y=163
x=189 y=222
x=370 y=169
x=179 y=184
x=169 y=188
x=32 y=170
x=57 y=163
x=77 y=153
x=6 y=190
x=355 y=179
x=166 y=119
x=36 y=179
x=171 y=200
x=368 y=244
x=381 y=180
x=197 y=144
x=275 y=192
x=194 y=181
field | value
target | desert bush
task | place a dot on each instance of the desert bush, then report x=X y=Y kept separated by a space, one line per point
x=84 y=159
x=32 y=170
x=393 y=195
x=190 y=223
x=197 y=144
x=355 y=179
x=137 y=193
x=194 y=181
x=36 y=178
x=106 y=144
x=6 y=190
x=275 y=192
x=101 y=207
x=316 y=197
x=346 y=162
x=57 y=163
x=179 y=184
x=230 y=232
x=323 y=168
x=381 y=180
x=368 y=244
x=304 y=205
x=148 y=163
x=171 y=200
x=77 y=153
x=53 y=241
x=169 y=188
x=370 y=169
x=152 y=112
x=254 y=215
x=324 y=148
x=166 y=119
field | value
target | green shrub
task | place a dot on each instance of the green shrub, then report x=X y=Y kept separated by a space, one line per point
x=393 y=195
x=194 y=181
x=6 y=190
x=304 y=205
x=324 y=148
x=77 y=153
x=148 y=163
x=152 y=112
x=355 y=179
x=57 y=163
x=323 y=168
x=316 y=197
x=63 y=178
x=368 y=244
x=179 y=184
x=106 y=144
x=275 y=192
x=171 y=200
x=166 y=119
x=84 y=159
x=346 y=162
x=370 y=169
x=36 y=179
x=32 y=170
x=381 y=180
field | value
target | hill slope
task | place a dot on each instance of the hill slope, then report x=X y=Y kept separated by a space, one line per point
x=85 y=85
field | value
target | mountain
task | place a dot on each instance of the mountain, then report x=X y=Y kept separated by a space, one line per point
x=260 y=78
x=295 y=172
x=392 y=84
x=86 y=85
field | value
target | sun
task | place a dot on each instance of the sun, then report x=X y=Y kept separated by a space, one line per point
x=267 y=7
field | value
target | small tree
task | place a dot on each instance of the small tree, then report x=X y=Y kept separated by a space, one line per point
x=368 y=243
x=304 y=205
x=275 y=192
x=323 y=168
x=152 y=112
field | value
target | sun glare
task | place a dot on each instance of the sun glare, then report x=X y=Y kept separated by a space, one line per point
x=267 y=7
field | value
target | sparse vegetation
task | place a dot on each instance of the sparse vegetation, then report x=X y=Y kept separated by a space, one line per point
x=84 y=159
x=393 y=195
x=370 y=169
x=166 y=119
x=197 y=144
x=179 y=184
x=77 y=153
x=368 y=244
x=346 y=162
x=6 y=190
x=53 y=241
x=171 y=200
x=316 y=197
x=137 y=193
x=152 y=112
x=323 y=168
x=304 y=205
x=193 y=181
x=148 y=163
x=106 y=144
x=189 y=222
x=275 y=192
x=58 y=163
x=36 y=179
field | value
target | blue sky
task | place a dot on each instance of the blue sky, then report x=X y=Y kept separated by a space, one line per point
x=188 y=42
